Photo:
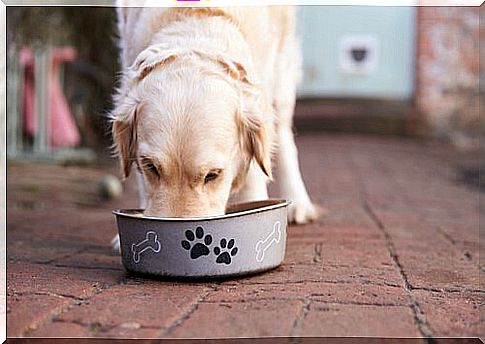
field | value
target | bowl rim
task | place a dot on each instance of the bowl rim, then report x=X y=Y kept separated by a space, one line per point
x=271 y=204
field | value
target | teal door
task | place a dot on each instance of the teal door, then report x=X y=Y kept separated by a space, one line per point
x=357 y=51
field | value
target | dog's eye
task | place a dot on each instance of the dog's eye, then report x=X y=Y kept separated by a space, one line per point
x=210 y=177
x=150 y=167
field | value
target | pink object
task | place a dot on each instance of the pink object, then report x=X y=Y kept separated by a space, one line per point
x=63 y=131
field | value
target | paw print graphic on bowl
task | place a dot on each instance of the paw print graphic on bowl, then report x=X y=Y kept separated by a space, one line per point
x=200 y=247
x=225 y=251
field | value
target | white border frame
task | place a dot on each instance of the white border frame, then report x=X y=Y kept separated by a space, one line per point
x=151 y=3
x=3 y=173
x=229 y=3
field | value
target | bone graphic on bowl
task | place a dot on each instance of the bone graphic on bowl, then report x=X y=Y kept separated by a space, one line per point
x=263 y=245
x=150 y=243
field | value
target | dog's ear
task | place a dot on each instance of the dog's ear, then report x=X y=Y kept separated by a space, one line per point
x=160 y=54
x=255 y=140
x=255 y=132
x=152 y=57
x=125 y=116
x=124 y=126
x=231 y=67
x=235 y=69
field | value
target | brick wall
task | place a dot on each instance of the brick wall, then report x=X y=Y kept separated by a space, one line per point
x=447 y=75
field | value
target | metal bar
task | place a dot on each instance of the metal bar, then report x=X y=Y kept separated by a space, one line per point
x=19 y=106
x=41 y=140
x=39 y=86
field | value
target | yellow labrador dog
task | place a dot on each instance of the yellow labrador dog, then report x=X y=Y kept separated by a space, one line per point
x=206 y=99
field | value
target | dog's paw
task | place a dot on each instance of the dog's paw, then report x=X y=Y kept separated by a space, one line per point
x=115 y=243
x=303 y=212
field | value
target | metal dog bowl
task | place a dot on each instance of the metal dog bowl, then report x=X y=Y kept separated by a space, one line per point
x=249 y=238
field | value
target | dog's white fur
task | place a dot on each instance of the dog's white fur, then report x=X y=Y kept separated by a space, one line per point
x=207 y=96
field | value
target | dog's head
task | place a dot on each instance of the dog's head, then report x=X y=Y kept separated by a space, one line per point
x=192 y=124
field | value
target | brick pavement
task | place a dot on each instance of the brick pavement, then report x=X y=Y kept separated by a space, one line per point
x=397 y=255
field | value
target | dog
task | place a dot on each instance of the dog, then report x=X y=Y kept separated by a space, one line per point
x=205 y=107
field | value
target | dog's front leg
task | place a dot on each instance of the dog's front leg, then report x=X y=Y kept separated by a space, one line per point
x=289 y=181
x=288 y=177
x=142 y=201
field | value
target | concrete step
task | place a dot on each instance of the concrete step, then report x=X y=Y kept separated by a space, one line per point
x=369 y=116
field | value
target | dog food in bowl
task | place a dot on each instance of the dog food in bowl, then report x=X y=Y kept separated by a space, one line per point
x=249 y=238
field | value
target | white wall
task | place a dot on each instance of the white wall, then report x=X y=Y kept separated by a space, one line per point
x=322 y=29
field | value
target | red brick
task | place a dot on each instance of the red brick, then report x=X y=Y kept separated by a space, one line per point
x=343 y=252
x=441 y=267
x=348 y=216
x=88 y=340
x=455 y=202
x=27 y=312
x=446 y=265
x=286 y=274
x=461 y=241
x=26 y=247
x=62 y=329
x=28 y=278
x=457 y=31
x=248 y=319
x=100 y=259
x=121 y=331
x=325 y=292
x=151 y=304
x=363 y=294
x=471 y=250
x=452 y=314
x=364 y=340
x=318 y=233
x=409 y=186
x=328 y=320
x=33 y=225
x=412 y=225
